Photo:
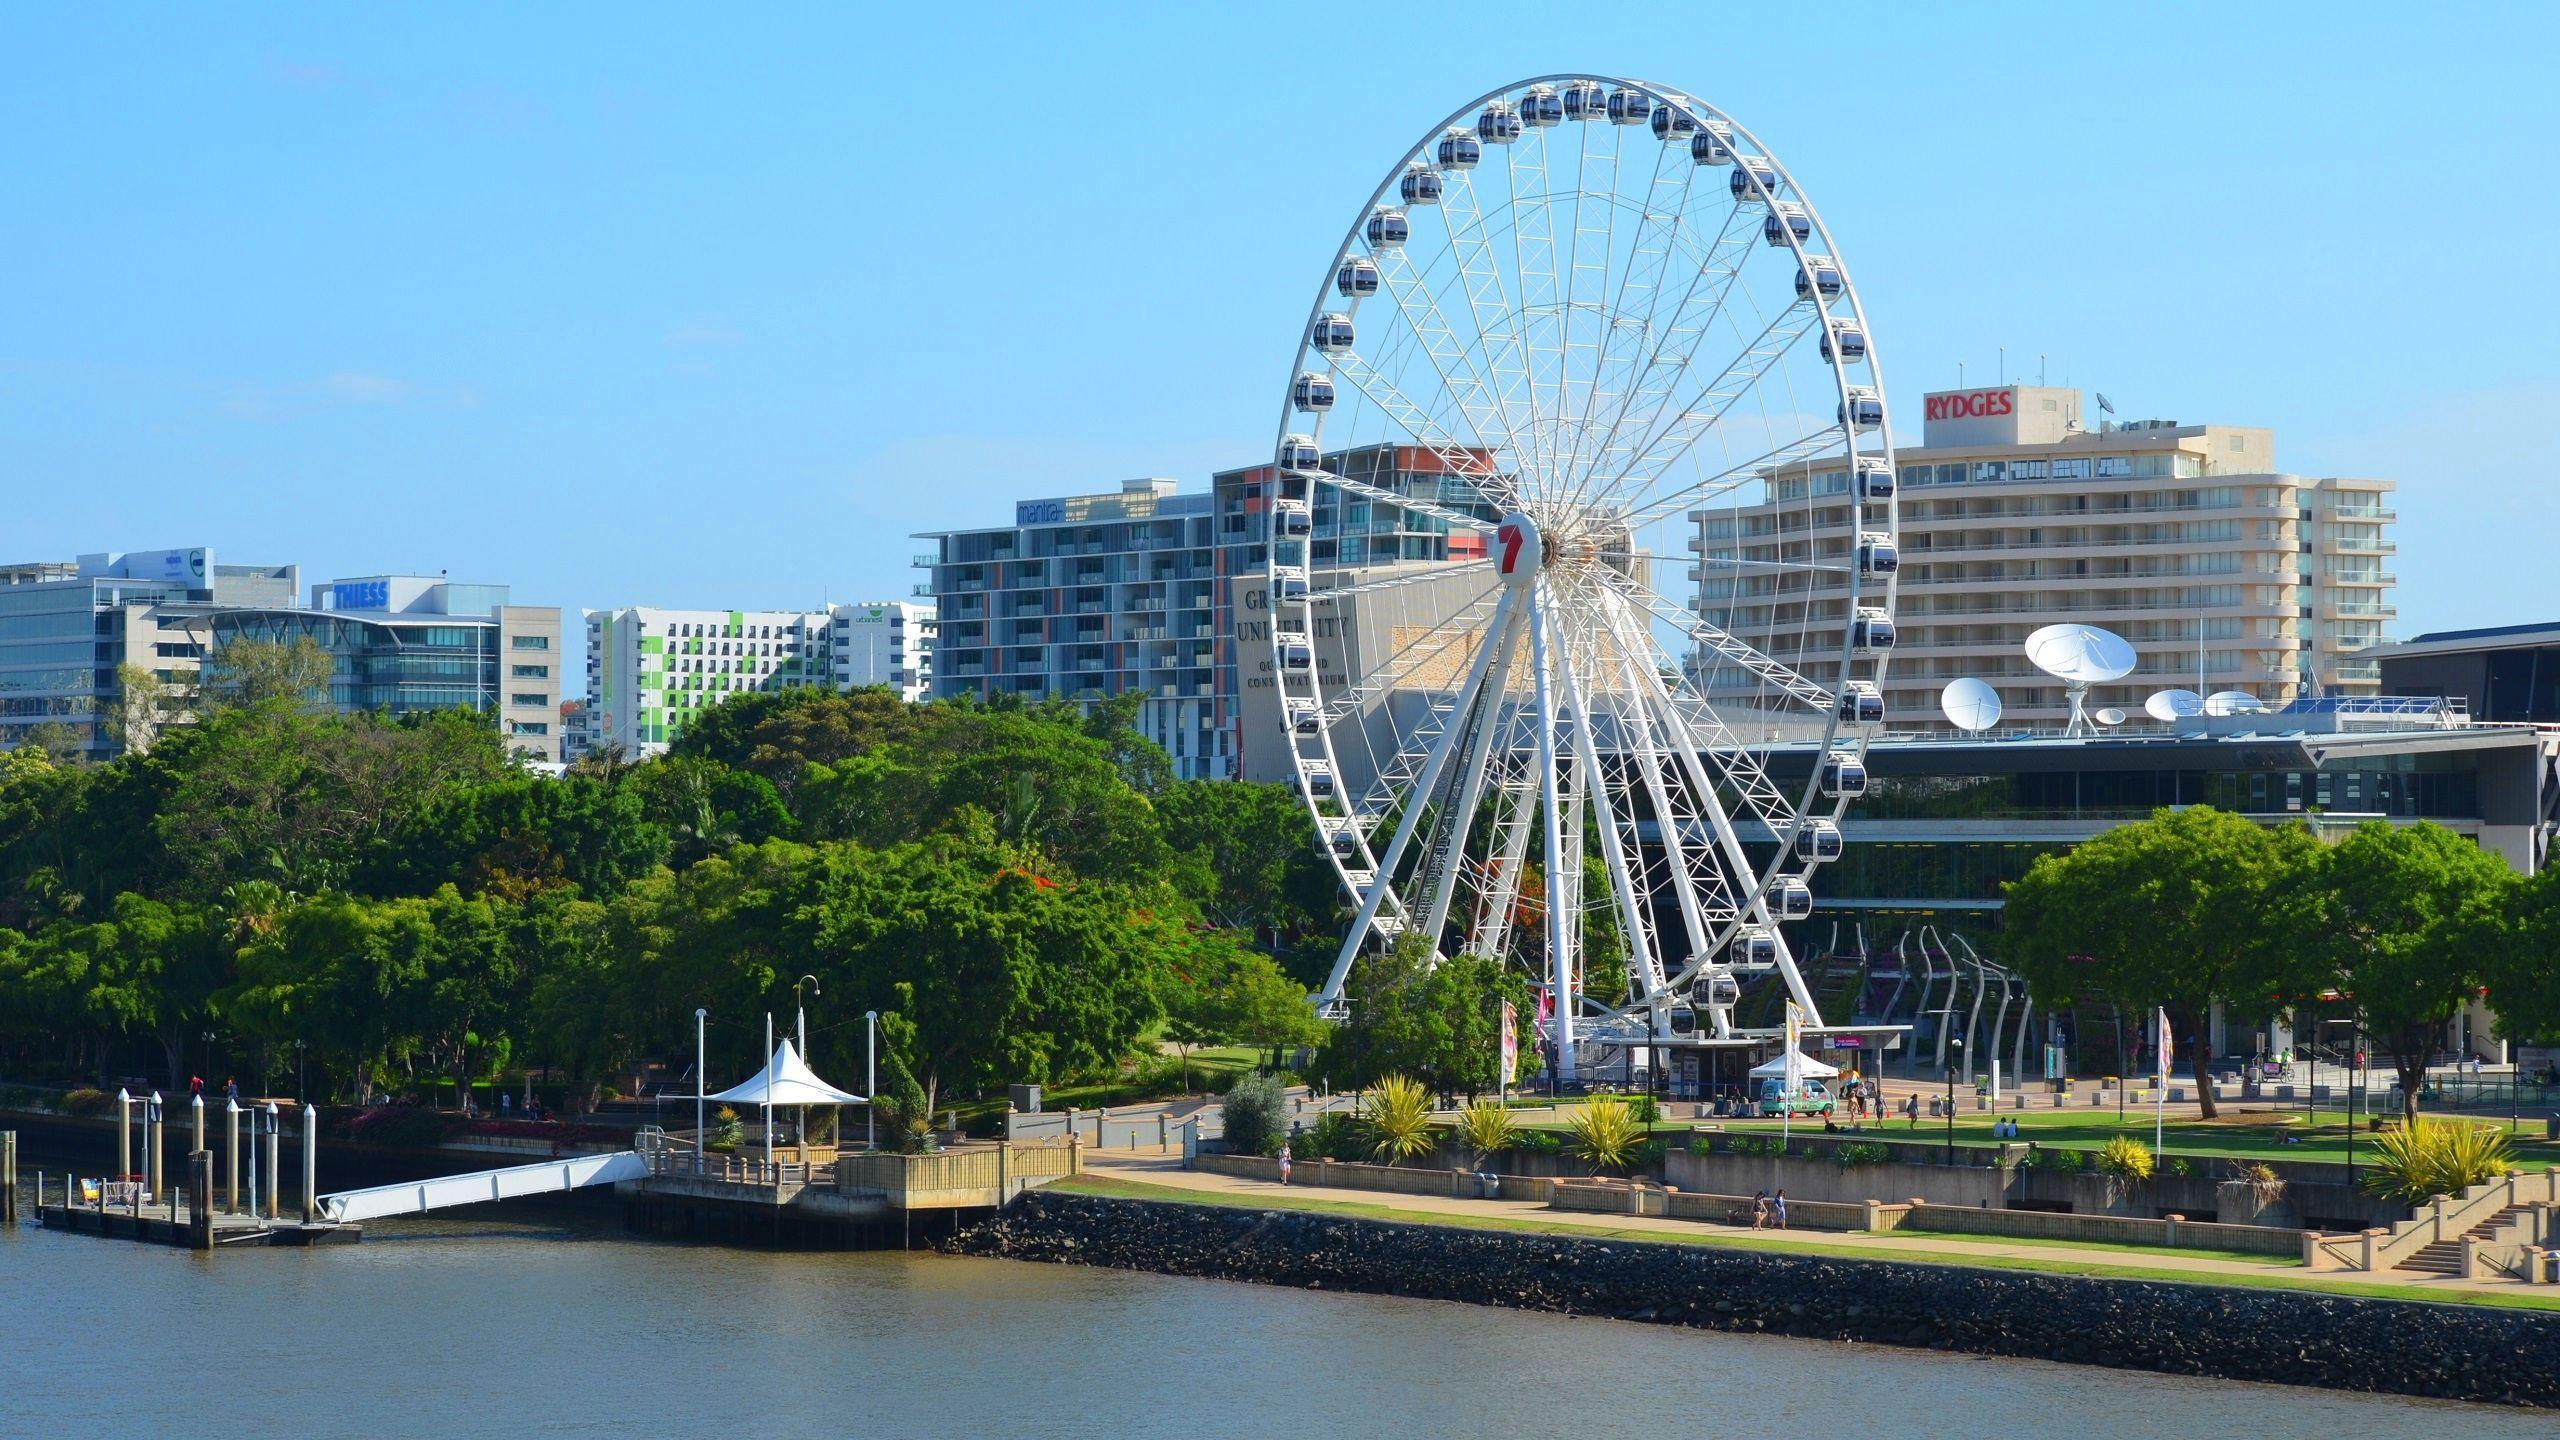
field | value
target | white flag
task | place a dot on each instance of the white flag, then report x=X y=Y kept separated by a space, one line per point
x=2165 y=1045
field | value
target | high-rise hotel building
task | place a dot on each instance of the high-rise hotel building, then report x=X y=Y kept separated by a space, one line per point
x=2224 y=572
x=650 y=670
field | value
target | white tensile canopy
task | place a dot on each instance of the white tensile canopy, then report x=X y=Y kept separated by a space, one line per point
x=787 y=1080
x=1807 y=1068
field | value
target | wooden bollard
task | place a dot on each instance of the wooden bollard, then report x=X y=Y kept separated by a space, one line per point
x=200 y=1200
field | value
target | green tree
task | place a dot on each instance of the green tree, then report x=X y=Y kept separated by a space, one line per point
x=2185 y=910
x=1219 y=992
x=263 y=674
x=1260 y=868
x=522 y=834
x=143 y=704
x=2408 y=921
x=2523 y=984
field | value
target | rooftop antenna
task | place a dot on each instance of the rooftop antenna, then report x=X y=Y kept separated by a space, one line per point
x=2079 y=656
x=2106 y=407
x=2004 y=364
x=2039 y=370
x=1959 y=374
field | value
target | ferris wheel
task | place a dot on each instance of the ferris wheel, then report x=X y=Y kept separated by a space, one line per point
x=1581 y=538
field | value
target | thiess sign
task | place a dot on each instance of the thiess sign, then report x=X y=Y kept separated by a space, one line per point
x=1971 y=404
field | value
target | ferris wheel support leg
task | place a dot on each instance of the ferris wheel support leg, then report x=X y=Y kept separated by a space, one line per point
x=1461 y=821
x=1560 y=924
x=1685 y=750
x=1631 y=917
x=1675 y=848
x=1442 y=745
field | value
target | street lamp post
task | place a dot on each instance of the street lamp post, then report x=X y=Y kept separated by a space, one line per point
x=2355 y=1079
x=1952 y=1113
x=800 y=1115
x=870 y=1079
x=701 y=1060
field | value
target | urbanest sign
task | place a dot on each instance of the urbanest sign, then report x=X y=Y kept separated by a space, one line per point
x=1970 y=404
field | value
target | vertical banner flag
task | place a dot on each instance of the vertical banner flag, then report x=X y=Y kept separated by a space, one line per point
x=2160 y=1092
x=1787 y=1101
x=1510 y=1043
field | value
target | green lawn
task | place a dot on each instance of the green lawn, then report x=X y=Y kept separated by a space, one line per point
x=2254 y=1136
x=1212 y=1069
x=2277 y=1277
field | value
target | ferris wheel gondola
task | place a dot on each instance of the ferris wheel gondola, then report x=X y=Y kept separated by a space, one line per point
x=1610 y=314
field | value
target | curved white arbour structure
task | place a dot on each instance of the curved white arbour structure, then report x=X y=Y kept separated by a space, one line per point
x=1573 y=314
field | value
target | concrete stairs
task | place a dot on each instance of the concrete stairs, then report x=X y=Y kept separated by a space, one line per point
x=2444 y=1257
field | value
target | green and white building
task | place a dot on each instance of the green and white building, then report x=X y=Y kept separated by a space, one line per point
x=650 y=671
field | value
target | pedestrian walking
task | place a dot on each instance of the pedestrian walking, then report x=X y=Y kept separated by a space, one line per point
x=1911 y=1109
x=1778 y=1210
x=1759 y=1209
x=1284 y=1162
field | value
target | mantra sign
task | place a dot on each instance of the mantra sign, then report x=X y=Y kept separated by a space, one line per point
x=1970 y=404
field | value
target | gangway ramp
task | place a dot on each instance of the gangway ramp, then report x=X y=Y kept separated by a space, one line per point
x=416 y=1197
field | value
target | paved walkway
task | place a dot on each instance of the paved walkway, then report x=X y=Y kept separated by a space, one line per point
x=1167 y=1171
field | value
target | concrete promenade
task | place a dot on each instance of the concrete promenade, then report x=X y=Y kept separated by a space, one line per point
x=1166 y=1171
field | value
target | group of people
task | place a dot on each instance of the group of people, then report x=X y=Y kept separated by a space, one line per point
x=1768 y=1211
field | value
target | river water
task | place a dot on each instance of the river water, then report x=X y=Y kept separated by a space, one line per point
x=548 y=1320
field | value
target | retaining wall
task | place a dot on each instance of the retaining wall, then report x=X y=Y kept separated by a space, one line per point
x=2448 y=1352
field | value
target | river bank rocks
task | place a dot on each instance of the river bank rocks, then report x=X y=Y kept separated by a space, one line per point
x=2284 y=1337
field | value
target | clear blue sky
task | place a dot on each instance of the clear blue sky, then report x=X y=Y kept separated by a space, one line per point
x=632 y=305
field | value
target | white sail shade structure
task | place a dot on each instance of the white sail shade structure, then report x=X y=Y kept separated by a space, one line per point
x=786 y=1080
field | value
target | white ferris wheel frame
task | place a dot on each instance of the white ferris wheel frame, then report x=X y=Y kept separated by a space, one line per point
x=1675 y=754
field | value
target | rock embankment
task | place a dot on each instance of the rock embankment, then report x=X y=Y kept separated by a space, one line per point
x=2285 y=1337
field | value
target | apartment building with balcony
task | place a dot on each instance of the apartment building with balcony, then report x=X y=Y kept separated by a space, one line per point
x=650 y=671
x=1085 y=596
x=2224 y=572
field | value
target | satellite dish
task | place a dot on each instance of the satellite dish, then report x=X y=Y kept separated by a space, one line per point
x=2079 y=656
x=2231 y=702
x=1970 y=704
x=2110 y=716
x=2169 y=705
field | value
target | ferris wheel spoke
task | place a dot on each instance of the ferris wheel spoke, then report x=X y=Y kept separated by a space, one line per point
x=1407 y=503
x=1667 y=344
x=1610 y=307
x=1533 y=250
x=1470 y=392
x=1504 y=352
x=1681 y=428
x=1472 y=463
x=1430 y=575
x=1730 y=843
x=1706 y=731
x=1714 y=487
x=1428 y=646
x=1739 y=652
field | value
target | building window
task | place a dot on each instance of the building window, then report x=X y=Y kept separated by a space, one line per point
x=529 y=727
x=531 y=642
x=2111 y=467
x=532 y=672
x=522 y=698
